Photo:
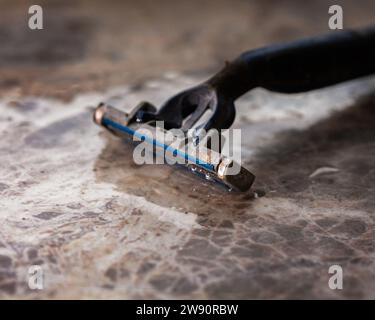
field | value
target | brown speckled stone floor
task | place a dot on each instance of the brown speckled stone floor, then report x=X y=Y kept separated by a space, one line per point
x=73 y=202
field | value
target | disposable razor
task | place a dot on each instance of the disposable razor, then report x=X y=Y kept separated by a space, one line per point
x=293 y=67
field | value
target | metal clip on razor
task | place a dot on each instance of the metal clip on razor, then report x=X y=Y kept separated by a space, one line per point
x=294 y=67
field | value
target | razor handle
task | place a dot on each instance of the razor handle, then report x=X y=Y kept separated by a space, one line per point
x=300 y=66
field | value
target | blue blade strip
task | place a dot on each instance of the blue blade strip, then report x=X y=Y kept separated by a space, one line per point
x=183 y=155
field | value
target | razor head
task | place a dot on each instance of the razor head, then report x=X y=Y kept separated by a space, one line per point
x=174 y=146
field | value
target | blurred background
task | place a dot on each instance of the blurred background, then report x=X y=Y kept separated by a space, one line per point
x=91 y=44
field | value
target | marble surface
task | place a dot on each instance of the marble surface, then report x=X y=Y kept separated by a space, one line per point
x=72 y=201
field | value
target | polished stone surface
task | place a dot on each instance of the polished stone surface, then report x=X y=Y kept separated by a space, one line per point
x=100 y=226
x=73 y=202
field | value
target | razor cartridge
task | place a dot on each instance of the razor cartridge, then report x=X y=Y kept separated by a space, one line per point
x=174 y=147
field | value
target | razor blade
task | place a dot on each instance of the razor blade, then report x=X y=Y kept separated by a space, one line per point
x=174 y=147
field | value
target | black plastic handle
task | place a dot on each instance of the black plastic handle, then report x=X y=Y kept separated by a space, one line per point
x=300 y=66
